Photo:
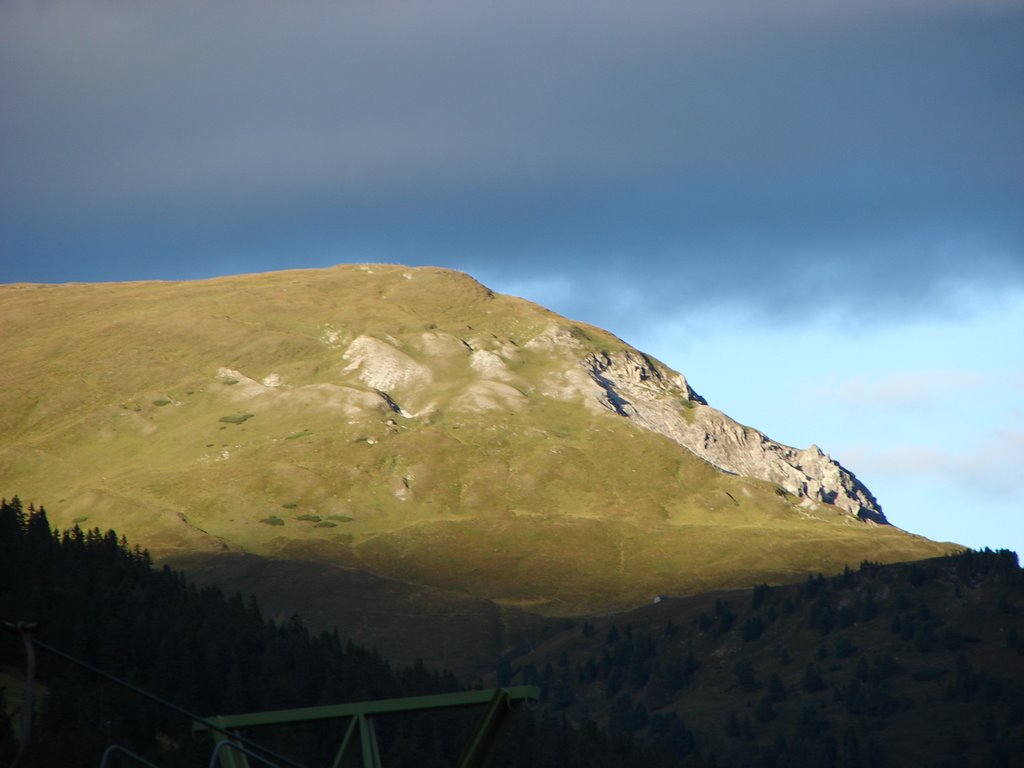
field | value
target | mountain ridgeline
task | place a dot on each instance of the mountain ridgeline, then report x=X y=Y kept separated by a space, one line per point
x=411 y=435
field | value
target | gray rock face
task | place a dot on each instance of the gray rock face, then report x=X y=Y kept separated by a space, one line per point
x=651 y=396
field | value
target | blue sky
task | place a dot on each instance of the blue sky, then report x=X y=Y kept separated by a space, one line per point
x=816 y=213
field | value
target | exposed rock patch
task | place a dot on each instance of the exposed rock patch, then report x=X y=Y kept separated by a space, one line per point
x=441 y=344
x=632 y=385
x=488 y=365
x=554 y=337
x=575 y=384
x=382 y=366
x=489 y=395
x=242 y=387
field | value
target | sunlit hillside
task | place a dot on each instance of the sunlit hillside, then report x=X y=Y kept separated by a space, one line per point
x=404 y=423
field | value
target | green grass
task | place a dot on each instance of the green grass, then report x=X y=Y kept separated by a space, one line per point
x=548 y=485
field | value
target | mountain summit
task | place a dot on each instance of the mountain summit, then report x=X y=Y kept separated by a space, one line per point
x=409 y=425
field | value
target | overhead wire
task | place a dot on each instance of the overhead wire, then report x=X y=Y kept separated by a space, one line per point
x=26 y=631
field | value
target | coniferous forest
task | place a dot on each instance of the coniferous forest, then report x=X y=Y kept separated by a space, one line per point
x=921 y=662
x=99 y=600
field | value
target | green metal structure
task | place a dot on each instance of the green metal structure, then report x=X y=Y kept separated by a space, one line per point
x=360 y=736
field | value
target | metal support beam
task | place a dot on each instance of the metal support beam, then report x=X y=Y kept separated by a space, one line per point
x=346 y=754
x=499 y=703
x=482 y=742
x=377 y=707
x=368 y=739
x=243 y=753
x=225 y=749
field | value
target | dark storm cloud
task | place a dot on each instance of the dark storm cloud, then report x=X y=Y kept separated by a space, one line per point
x=769 y=157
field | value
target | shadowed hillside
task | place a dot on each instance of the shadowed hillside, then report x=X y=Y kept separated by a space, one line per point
x=907 y=664
x=917 y=664
x=103 y=603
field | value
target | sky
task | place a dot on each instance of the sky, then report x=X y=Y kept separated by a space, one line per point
x=813 y=210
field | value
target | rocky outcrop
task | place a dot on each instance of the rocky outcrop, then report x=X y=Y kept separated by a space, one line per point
x=623 y=380
x=651 y=396
x=384 y=367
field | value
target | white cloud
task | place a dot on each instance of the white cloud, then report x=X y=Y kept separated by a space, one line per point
x=990 y=465
x=903 y=389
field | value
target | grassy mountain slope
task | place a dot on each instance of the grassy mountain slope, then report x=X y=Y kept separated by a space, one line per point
x=408 y=423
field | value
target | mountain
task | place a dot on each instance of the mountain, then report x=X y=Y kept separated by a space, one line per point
x=408 y=435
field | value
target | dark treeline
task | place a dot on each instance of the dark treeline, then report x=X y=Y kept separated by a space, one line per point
x=917 y=663
x=101 y=601
x=868 y=668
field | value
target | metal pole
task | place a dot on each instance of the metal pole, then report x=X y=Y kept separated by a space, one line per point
x=118 y=748
x=24 y=630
